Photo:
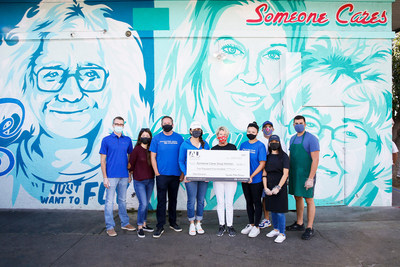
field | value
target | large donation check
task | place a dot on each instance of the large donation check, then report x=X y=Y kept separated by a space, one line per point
x=218 y=165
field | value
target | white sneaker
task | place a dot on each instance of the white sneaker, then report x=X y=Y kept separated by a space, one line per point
x=255 y=231
x=273 y=233
x=264 y=224
x=280 y=238
x=247 y=229
x=192 y=229
x=199 y=230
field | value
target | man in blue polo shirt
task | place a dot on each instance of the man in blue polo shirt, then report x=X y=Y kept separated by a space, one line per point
x=164 y=150
x=304 y=159
x=114 y=152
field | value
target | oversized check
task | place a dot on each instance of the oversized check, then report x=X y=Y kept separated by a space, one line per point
x=218 y=165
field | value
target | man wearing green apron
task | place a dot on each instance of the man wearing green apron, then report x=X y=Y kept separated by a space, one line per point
x=304 y=158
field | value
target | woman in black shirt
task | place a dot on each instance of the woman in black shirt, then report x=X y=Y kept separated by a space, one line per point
x=274 y=179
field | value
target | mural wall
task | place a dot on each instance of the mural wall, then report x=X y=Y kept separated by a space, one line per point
x=69 y=67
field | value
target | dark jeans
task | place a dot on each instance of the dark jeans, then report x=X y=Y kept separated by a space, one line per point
x=252 y=194
x=170 y=184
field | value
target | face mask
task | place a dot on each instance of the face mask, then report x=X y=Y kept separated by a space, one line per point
x=167 y=128
x=196 y=134
x=299 y=128
x=222 y=139
x=145 y=140
x=274 y=146
x=267 y=131
x=251 y=136
x=118 y=129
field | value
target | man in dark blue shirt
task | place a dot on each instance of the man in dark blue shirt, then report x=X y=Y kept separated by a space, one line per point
x=114 y=152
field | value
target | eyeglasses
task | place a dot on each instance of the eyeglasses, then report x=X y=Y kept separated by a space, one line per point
x=351 y=133
x=145 y=129
x=89 y=79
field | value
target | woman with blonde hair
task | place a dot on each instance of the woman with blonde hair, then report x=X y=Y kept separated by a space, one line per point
x=224 y=190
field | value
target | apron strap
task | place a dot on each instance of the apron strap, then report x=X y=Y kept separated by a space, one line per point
x=294 y=139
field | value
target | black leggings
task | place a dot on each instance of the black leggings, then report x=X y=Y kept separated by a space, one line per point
x=252 y=194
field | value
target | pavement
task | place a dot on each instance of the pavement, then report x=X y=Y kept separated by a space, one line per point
x=344 y=236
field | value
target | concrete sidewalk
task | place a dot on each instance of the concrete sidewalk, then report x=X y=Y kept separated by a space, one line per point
x=345 y=236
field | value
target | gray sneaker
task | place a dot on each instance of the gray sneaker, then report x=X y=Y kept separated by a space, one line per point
x=221 y=230
x=231 y=231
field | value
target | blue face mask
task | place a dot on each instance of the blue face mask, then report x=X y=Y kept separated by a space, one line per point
x=299 y=128
x=118 y=129
x=267 y=131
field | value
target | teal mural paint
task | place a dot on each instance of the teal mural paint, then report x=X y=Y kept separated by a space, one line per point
x=68 y=68
x=150 y=19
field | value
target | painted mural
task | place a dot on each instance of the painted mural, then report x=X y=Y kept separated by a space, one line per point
x=69 y=67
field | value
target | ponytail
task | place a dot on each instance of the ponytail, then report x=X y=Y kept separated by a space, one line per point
x=201 y=141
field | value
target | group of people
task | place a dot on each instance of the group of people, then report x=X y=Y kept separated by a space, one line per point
x=164 y=157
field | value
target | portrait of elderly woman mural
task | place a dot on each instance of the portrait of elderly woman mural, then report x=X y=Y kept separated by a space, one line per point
x=73 y=78
x=231 y=75
x=349 y=110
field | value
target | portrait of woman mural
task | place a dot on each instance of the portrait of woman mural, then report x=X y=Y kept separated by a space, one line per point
x=227 y=76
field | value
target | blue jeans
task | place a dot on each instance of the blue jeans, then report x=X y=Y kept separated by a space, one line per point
x=120 y=185
x=195 y=191
x=143 y=190
x=279 y=221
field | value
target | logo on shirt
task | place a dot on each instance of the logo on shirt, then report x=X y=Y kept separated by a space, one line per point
x=252 y=151
x=169 y=142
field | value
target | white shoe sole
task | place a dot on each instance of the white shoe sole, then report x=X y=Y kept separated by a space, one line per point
x=176 y=230
x=159 y=235
x=128 y=229
x=279 y=241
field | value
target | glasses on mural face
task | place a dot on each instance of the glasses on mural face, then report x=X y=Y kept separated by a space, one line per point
x=89 y=79
x=349 y=133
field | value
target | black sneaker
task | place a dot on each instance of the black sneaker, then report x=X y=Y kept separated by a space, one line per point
x=175 y=227
x=158 y=232
x=231 y=231
x=221 y=230
x=307 y=234
x=295 y=227
x=140 y=233
x=148 y=229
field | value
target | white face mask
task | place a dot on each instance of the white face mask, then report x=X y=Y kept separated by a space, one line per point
x=118 y=129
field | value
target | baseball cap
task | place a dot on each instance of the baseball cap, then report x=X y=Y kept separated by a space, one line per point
x=267 y=122
x=274 y=137
x=195 y=125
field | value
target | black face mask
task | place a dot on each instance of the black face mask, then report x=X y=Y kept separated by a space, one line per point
x=251 y=136
x=167 y=128
x=145 y=140
x=275 y=146
x=197 y=134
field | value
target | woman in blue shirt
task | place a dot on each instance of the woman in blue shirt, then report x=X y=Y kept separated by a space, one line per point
x=253 y=189
x=196 y=190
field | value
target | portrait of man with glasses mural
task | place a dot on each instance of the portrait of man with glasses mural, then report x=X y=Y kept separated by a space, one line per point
x=63 y=64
